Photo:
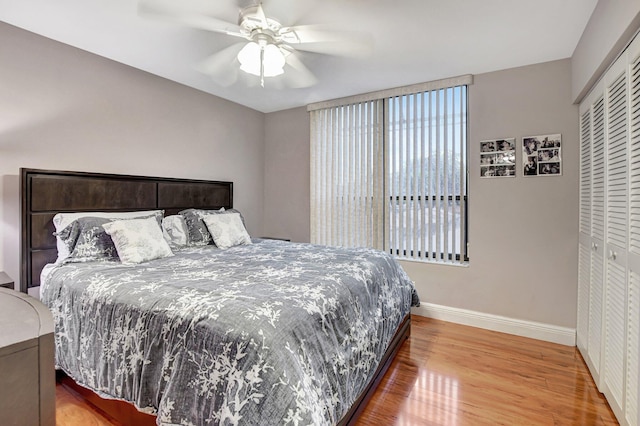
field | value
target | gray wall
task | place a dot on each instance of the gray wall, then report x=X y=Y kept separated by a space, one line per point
x=523 y=231
x=63 y=108
x=287 y=151
x=610 y=28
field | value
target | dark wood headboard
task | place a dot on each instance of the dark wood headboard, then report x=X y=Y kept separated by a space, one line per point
x=46 y=192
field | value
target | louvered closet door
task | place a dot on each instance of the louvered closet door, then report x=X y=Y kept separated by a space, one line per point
x=613 y=332
x=596 y=282
x=584 y=243
x=617 y=138
x=633 y=289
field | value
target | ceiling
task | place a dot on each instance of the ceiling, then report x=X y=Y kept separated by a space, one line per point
x=413 y=40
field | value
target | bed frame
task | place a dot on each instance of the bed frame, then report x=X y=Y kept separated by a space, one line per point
x=46 y=192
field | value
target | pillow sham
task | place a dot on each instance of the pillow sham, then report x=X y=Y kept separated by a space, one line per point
x=175 y=230
x=63 y=220
x=138 y=240
x=197 y=230
x=227 y=230
x=198 y=233
x=85 y=240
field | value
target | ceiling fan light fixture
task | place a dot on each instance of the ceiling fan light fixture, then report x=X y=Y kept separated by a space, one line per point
x=267 y=61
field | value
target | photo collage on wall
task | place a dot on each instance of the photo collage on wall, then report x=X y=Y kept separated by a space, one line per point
x=542 y=155
x=498 y=158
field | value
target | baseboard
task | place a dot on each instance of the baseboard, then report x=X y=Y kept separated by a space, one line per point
x=535 y=330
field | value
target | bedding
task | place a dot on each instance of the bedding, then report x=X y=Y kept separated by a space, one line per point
x=138 y=240
x=227 y=230
x=95 y=242
x=175 y=230
x=265 y=333
x=85 y=240
x=197 y=229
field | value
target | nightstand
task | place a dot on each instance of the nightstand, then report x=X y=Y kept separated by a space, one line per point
x=28 y=380
x=5 y=281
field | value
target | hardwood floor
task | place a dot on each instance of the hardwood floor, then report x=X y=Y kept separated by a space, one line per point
x=449 y=374
x=72 y=409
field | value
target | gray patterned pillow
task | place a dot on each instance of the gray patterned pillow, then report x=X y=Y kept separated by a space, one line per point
x=198 y=233
x=63 y=219
x=87 y=241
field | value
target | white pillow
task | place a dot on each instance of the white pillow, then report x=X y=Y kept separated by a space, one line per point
x=175 y=230
x=138 y=240
x=62 y=220
x=227 y=230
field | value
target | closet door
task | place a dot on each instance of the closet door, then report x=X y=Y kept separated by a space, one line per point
x=613 y=325
x=617 y=138
x=633 y=292
x=596 y=281
x=584 y=242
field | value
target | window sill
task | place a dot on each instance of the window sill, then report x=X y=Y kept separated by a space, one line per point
x=433 y=262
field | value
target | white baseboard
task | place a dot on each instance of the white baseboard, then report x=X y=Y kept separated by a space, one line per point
x=535 y=330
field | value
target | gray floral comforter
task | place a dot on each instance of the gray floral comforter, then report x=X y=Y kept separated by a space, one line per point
x=267 y=333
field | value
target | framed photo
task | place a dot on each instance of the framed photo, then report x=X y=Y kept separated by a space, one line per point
x=498 y=158
x=542 y=155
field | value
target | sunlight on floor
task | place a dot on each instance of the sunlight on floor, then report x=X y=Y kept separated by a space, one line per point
x=442 y=407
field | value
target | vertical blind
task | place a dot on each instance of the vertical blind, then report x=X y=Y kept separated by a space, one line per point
x=390 y=173
x=427 y=174
x=347 y=175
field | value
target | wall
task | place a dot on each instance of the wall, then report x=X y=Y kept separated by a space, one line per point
x=286 y=183
x=62 y=108
x=523 y=231
x=609 y=29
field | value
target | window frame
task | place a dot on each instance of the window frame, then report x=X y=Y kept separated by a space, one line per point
x=456 y=237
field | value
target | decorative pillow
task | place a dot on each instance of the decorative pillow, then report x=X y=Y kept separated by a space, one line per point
x=227 y=230
x=85 y=240
x=63 y=220
x=138 y=240
x=198 y=233
x=175 y=230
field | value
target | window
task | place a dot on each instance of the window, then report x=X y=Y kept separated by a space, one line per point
x=390 y=172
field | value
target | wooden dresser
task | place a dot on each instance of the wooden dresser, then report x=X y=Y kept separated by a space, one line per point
x=27 y=373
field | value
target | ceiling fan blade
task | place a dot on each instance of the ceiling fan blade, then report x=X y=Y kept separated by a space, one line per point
x=194 y=14
x=297 y=74
x=252 y=81
x=223 y=66
x=210 y=24
x=262 y=16
x=287 y=11
x=347 y=49
x=316 y=39
x=222 y=9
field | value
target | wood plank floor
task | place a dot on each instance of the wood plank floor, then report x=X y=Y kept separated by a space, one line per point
x=449 y=374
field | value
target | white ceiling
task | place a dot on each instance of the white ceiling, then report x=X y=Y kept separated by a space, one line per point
x=413 y=40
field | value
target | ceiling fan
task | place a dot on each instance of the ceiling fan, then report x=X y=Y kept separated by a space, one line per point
x=268 y=49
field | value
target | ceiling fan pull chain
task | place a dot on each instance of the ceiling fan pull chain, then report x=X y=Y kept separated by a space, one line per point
x=262 y=66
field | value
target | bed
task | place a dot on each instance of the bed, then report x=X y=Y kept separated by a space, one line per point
x=270 y=332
